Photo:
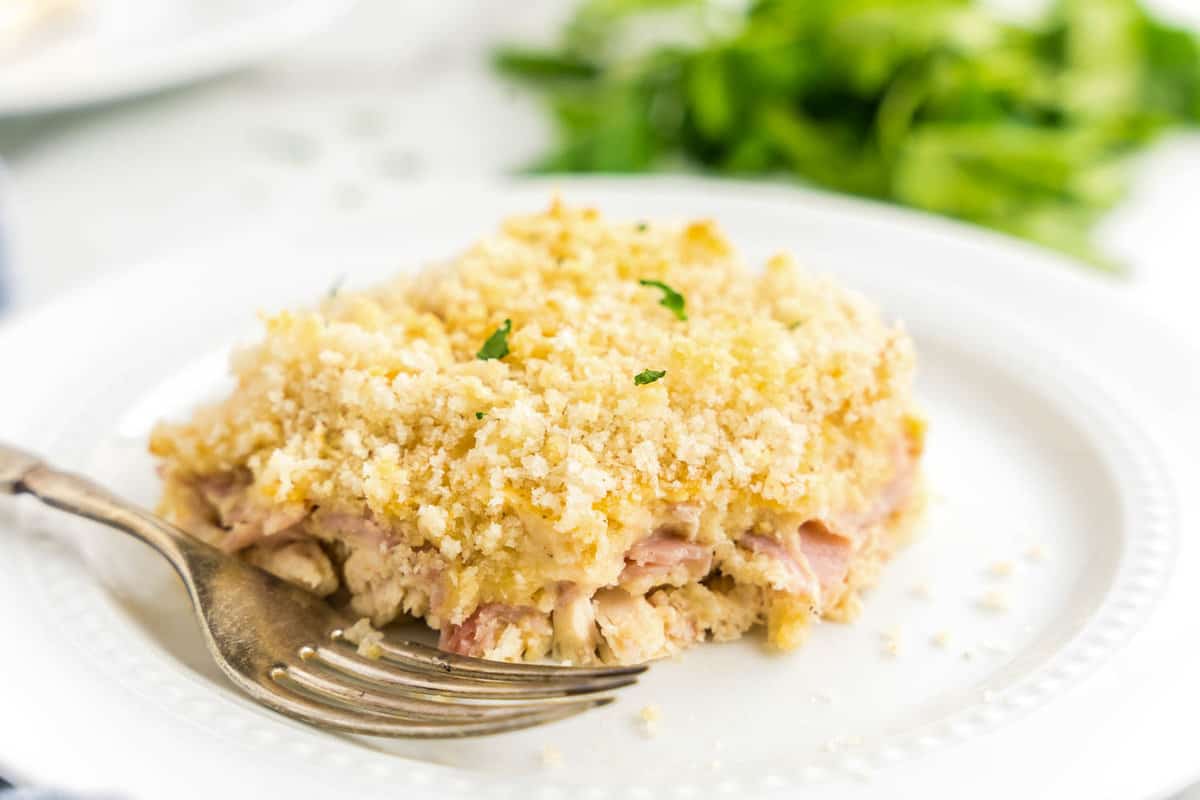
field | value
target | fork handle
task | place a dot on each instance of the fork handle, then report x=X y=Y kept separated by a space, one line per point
x=22 y=473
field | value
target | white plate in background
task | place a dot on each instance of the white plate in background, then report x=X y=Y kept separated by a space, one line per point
x=1059 y=419
x=106 y=49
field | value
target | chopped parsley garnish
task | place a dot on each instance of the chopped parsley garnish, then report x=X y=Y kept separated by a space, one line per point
x=671 y=299
x=641 y=226
x=496 y=345
x=480 y=415
x=648 y=376
x=336 y=287
x=795 y=325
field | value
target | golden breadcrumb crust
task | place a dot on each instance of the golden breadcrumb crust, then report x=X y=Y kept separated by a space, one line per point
x=782 y=401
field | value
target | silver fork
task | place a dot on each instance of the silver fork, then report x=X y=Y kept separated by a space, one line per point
x=287 y=648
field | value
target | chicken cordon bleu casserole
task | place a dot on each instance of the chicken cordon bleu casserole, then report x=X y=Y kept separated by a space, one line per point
x=587 y=440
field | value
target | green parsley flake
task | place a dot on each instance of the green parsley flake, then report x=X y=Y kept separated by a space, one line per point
x=480 y=415
x=641 y=226
x=648 y=376
x=795 y=325
x=671 y=299
x=496 y=345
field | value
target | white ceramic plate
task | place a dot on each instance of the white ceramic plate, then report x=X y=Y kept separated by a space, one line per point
x=1060 y=419
x=106 y=49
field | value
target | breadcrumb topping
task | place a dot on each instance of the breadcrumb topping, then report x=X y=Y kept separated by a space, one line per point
x=497 y=417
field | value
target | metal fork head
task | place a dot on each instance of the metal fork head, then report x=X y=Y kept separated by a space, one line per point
x=286 y=648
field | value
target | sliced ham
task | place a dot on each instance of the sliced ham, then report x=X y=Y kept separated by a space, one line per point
x=664 y=558
x=363 y=531
x=802 y=579
x=484 y=631
x=248 y=522
x=817 y=558
x=827 y=554
x=255 y=525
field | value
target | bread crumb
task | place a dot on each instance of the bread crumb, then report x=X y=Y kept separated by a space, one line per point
x=989 y=696
x=1001 y=569
x=650 y=713
x=715 y=764
x=994 y=601
x=551 y=757
x=941 y=639
x=892 y=643
x=922 y=590
x=825 y=698
x=363 y=634
x=1035 y=553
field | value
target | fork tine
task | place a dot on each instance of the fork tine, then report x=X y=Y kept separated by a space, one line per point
x=326 y=687
x=449 y=685
x=423 y=655
x=315 y=712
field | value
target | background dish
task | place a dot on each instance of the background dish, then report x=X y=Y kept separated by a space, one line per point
x=94 y=53
x=1049 y=427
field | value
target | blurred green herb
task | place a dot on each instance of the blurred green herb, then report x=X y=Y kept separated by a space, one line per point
x=937 y=104
x=496 y=345
x=671 y=299
x=648 y=376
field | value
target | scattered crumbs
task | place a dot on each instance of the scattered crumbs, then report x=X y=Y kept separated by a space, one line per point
x=1035 y=553
x=649 y=717
x=551 y=756
x=968 y=655
x=366 y=637
x=994 y=601
x=989 y=696
x=892 y=643
x=715 y=764
x=922 y=590
x=1001 y=569
x=824 y=698
x=941 y=639
x=834 y=744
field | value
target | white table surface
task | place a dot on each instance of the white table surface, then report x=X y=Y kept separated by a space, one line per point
x=396 y=90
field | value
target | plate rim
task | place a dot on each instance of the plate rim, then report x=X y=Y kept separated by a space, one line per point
x=11 y=329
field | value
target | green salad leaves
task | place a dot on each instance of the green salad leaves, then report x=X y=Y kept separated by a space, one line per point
x=937 y=104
